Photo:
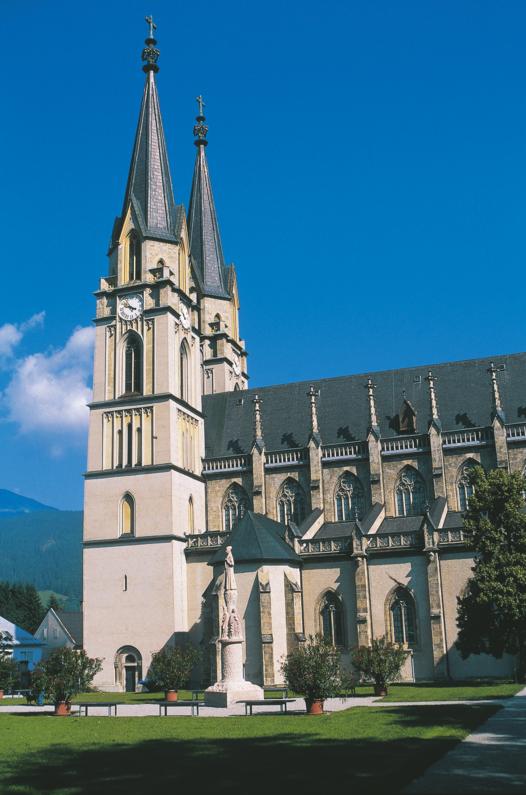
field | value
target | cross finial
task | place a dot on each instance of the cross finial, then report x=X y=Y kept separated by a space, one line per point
x=258 y=426
x=373 y=420
x=313 y=395
x=151 y=23
x=492 y=370
x=430 y=378
x=201 y=103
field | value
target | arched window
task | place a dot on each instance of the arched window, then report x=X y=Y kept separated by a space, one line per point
x=129 y=444
x=134 y=257
x=410 y=493
x=138 y=447
x=331 y=619
x=184 y=361
x=403 y=618
x=127 y=518
x=291 y=502
x=350 y=500
x=133 y=364
x=183 y=281
x=235 y=505
x=191 y=521
x=464 y=484
x=119 y=459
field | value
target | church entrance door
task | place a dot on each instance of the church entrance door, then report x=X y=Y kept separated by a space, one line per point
x=131 y=678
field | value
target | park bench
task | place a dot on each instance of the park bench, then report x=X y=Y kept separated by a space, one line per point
x=197 y=693
x=266 y=702
x=110 y=705
x=194 y=704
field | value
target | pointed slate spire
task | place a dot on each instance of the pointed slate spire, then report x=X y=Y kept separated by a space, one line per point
x=149 y=189
x=203 y=229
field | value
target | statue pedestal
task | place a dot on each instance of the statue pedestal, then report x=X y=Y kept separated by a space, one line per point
x=232 y=687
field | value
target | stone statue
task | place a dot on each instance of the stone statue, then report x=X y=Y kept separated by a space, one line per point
x=230 y=623
x=230 y=580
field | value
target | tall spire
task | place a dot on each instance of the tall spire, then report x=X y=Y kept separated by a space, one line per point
x=203 y=229
x=149 y=189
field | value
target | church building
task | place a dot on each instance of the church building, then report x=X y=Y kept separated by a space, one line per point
x=342 y=498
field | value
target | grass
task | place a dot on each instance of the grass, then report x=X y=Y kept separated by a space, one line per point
x=371 y=750
x=452 y=691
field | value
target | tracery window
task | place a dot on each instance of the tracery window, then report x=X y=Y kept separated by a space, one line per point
x=235 y=505
x=331 y=615
x=133 y=364
x=127 y=517
x=464 y=484
x=134 y=257
x=410 y=493
x=350 y=499
x=184 y=360
x=291 y=502
x=403 y=618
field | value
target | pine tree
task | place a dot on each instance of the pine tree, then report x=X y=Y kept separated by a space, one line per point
x=53 y=602
x=492 y=612
x=20 y=603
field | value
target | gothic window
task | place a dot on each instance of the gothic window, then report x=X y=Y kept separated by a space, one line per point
x=464 y=484
x=119 y=449
x=129 y=444
x=235 y=505
x=127 y=518
x=291 y=502
x=410 y=493
x=191 y=521
x=331 y=615
x=184 y=361
x=133 y=365
x=138 y=447
x=403 y=618
x=350 y=501
x=134 y=257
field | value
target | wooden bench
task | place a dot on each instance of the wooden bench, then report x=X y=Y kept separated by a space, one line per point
x=266 y=702
x=87 y=704
x=194 y=704
x=197 y=693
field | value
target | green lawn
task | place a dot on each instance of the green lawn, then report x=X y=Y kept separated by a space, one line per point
x=371 y=750
x=451 y=691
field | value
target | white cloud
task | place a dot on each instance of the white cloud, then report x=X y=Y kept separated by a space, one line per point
x=11 y=334
x=48 y=391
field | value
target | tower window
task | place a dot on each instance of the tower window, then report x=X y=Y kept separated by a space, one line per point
x=134 y=257
x=235 y=505
x=133 y=365
x=331 y=615
x=191 y=520
x=465 y=484
x=138 y=447
x=127 y=518
x=410 y=493
x=184 y=371
x=129 y=444
x=350 y=501
x=403 y=618
x=291 y=502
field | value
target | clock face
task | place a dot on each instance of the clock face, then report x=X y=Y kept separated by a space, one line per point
x=185 y=317
x=130 y=307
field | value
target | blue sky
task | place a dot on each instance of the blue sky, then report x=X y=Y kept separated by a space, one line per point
x=369 y=167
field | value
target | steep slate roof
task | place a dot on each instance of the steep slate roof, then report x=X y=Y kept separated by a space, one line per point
x=203 y=230
x=149 y=188
x=72 y=621
x=464 y=394
x=256 y=538
x=334 y=530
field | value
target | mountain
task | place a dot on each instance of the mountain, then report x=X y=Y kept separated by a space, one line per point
x=42 y=547
x=12 y=504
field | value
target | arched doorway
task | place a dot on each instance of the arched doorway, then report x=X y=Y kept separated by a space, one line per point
x=128 y=668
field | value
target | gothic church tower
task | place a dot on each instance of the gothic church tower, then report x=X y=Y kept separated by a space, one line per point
x=144 y=488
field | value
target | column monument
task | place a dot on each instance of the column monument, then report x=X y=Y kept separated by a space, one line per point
x=233 y=685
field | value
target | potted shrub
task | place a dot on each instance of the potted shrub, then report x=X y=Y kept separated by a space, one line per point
x=313 y=669
x=381 y=661
x=63 y=675
x=171 y=669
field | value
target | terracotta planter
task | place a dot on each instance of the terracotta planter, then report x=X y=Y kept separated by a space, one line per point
x=380 y=690
x=62 y=708
x=170 y=695
x=314 y=706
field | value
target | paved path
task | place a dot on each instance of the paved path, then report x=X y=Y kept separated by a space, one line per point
x=492 y=759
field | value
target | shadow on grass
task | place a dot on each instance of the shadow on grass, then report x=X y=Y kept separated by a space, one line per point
x=316 y=756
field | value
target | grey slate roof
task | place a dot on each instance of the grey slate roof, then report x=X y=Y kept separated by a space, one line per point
x=464 y=394
x=400 y=524
x=149 y=189
x=256 y=538
x=335 y=530
x=203 y=230
x=72 y=620
x=454 y=519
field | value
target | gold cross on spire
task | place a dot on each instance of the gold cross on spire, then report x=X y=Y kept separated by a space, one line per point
x=201 y=103
x=151 y=23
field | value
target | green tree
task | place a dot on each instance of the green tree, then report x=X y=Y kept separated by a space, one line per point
x=171 y=667
x=20 y=603
x=53 y=603
x=492 y=612
x=381 y=661
x=65 y=673
x=313 y=669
